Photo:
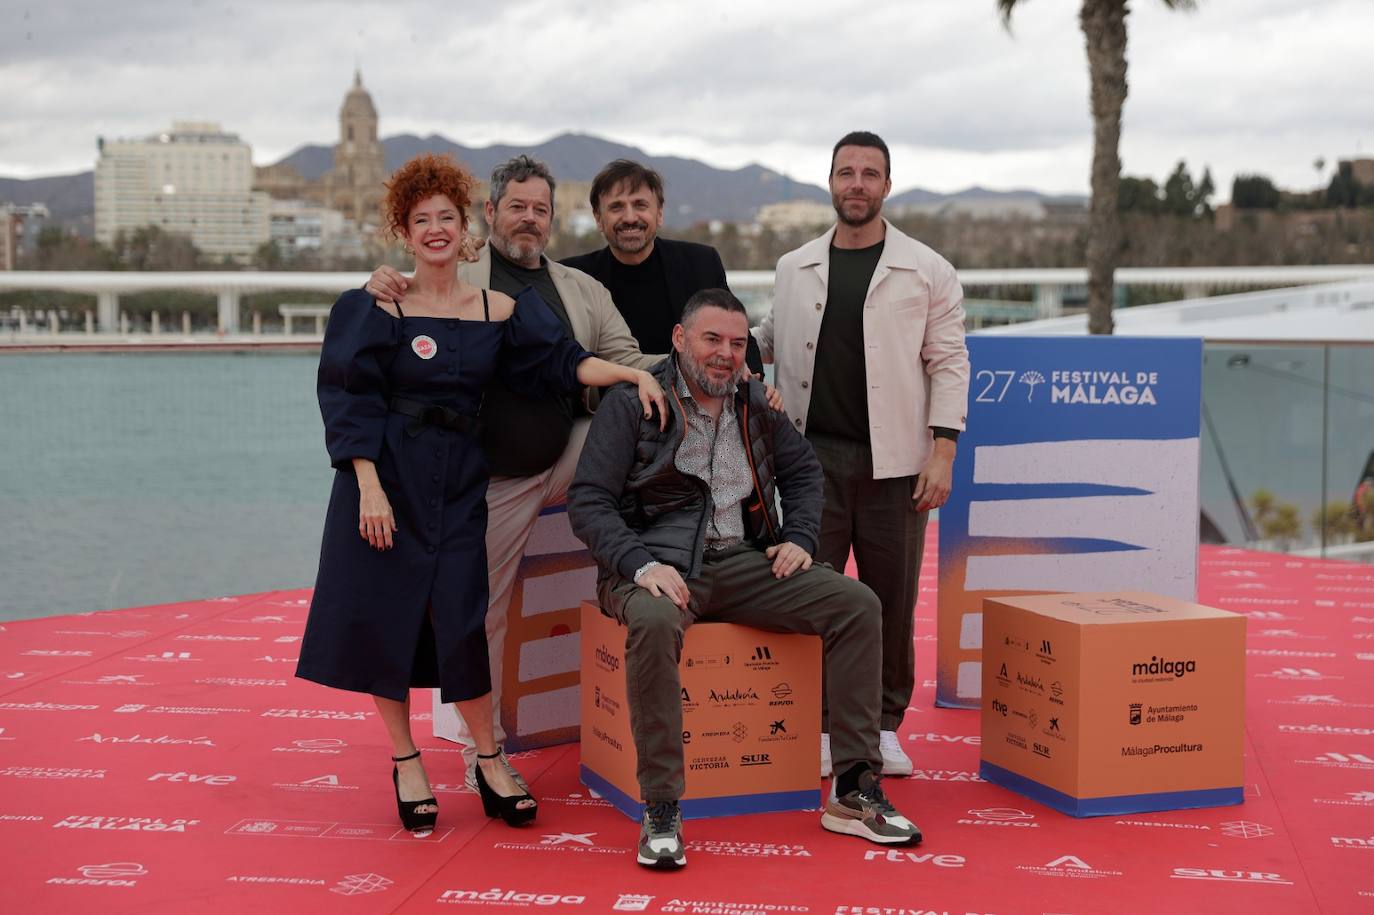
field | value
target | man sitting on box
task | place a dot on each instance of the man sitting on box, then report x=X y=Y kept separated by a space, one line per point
x=684 y=528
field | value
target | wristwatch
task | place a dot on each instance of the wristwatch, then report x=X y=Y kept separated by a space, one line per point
x=644 y=569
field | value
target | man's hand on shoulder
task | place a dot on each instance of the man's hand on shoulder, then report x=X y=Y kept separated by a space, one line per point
x=387 y=284
x=774 y=396
x=470 y=248
x=787 y=558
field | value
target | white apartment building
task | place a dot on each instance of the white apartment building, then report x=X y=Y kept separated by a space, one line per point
x=299 y=227
x=194 y=180
x=795 y=214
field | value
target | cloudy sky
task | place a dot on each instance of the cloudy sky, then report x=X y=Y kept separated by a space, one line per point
x=1263 y=86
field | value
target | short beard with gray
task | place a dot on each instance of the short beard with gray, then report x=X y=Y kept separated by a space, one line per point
x=697 y=375
x=522 y=253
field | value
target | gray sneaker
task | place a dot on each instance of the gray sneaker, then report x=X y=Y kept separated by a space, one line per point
x=470 y=776
x=867 y=813
x=660 y=837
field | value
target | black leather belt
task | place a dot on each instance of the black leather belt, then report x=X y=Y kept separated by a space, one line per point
x=428 y=414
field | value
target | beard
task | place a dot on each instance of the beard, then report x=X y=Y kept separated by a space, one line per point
x=521 y=252
x=631 y=245
x=696 y=373
x=870 y=212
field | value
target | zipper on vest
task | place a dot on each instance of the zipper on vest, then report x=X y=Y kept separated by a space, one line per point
x=754 y=472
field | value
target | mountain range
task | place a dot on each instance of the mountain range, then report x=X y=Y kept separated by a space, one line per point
x=695 y=191
x=70 y=199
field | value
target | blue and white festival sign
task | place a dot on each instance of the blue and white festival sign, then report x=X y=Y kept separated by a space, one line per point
x=1078 y=472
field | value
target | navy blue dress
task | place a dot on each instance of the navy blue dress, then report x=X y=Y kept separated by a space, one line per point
x=384 y=621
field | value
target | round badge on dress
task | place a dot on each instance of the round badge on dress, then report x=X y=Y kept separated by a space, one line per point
x=424 y=346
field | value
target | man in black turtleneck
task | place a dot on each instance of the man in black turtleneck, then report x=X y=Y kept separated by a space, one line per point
x=649 y=278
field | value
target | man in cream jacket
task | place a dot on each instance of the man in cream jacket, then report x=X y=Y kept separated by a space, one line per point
x=867 y=335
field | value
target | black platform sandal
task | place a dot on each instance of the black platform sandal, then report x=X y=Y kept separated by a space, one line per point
x=422 y=824
x=495 y=805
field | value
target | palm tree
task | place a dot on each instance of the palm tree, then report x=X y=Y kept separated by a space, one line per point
x=1104 y=27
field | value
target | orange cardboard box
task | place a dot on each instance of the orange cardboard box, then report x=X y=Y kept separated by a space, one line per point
x=751 y=703
x=1115 y=702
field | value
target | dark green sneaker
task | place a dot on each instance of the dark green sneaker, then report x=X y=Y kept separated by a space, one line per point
x=867 y=813
x=660 y=837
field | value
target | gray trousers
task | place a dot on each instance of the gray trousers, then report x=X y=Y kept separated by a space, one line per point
x=879 y=520
x=737 y=586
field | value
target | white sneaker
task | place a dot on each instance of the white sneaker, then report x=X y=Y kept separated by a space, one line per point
x=825 y=755
x=895 y=760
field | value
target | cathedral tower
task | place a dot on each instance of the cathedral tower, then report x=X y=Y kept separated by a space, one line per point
x=354 y=187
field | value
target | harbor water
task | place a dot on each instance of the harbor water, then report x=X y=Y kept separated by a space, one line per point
x=129 y=479
x=148 y=477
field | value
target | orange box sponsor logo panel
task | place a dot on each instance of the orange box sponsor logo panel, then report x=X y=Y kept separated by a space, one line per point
x=751 y=717
x=1113 y=702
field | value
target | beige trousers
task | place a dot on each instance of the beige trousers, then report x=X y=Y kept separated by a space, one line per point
x=513 y=506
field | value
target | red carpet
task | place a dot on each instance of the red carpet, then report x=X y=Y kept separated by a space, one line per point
x=163 y=759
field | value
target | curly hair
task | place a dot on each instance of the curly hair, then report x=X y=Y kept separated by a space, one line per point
x=422 y=178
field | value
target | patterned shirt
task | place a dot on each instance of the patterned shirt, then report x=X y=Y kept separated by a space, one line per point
x=713 y=451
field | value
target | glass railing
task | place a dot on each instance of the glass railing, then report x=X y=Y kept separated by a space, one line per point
x=144 y=477
x=1288 y=448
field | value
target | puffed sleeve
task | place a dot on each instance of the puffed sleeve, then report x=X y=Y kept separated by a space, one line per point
x=537 y=356
x=359 y=343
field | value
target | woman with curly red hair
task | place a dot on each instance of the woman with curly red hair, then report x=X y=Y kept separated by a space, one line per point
x=401 y=596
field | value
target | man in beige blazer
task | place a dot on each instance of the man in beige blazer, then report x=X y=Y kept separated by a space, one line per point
x=867 y=334
x=532 y=445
